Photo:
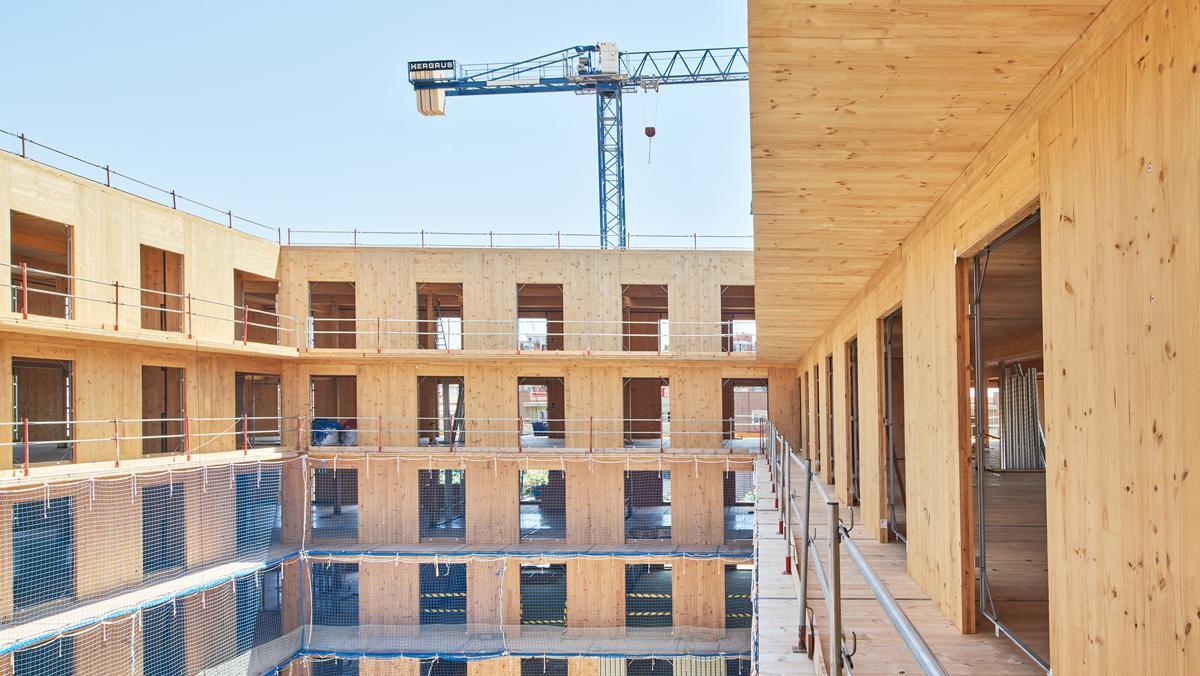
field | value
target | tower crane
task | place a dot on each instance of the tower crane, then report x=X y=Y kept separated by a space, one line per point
x=599 y=70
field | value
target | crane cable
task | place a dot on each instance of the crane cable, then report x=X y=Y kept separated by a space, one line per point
x=653 y=119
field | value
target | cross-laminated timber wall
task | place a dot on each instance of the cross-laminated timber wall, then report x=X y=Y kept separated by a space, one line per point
x=1107 y=147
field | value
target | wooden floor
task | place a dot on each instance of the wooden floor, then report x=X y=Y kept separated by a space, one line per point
x=879 y=648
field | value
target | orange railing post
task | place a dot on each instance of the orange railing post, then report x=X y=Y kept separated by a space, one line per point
x=591 y=434
x=187 y=437
x=245 y=435
x=24 y=291
x=245 y=322
x=117 y=306
x=25 y=441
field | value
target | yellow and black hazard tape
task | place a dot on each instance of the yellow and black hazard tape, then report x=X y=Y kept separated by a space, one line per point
x=443 y=610
x=737 y=615
x=737 y=596
x=640 y=595
x=648 y=613
x=442 y=595
x=560 y=623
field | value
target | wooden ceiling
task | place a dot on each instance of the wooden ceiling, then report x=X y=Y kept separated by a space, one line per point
x=861 y=115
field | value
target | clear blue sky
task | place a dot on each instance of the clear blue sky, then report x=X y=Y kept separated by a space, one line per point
x=300 y=114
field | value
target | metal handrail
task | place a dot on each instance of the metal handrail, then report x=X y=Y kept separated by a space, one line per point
x=781 y=457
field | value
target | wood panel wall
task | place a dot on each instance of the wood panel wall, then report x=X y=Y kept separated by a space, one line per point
x=1116 y=200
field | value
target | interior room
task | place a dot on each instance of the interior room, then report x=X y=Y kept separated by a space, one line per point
x=439 y=315
x=1010 y=474
x=162 y=292
x=738 y=327
x=257 y=301
x=644 y=318
x=539 y=317
x=892 y=382
x=42 y=395
x=333 y=409
x=440 y=410
x=442 y=496
x=743 y=410
x=543 y=504
x=647 y=504
x=647 y=412
x=257 y=405
x=40 y=255
x=332 y=322
x=163 y=409
x=542 y=403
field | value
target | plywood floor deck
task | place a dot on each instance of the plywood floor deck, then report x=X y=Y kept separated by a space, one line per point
x=880 y=649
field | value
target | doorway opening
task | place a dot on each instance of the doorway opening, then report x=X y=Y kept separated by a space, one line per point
x=647 y=412
x=42 y=395
x=439 y=316
x=644 y=318
x=541 y=403
x=539 y=317
x=257 y=405
x=743 y=410
x=738 y=326
x=40 y=257
x=829 y=452
x=161 y=289
x=1005 y=312
x=333 y=407
x=163 y=410
x=331 y=315
x=893 y=426
x=852 y=419
x=440 y=404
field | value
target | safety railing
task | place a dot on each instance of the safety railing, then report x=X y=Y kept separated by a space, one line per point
x=35 y=443
x=50 y=442
x=803 y=548
x=513 y=240
x=22 y=145
x=521 y=434
x=521 y=335
x=78 y=299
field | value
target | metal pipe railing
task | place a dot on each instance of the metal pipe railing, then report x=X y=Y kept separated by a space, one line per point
x=780 y=458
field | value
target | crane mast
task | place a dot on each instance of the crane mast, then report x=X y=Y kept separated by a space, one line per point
x=600 y=70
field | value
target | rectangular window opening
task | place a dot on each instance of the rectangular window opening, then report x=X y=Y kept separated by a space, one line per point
x=647 y=412
x=443 y=589
x=740 y=496
x=544 y=594
x=332 y=322
x=162 y=626
x=40 y=258
x=257 y=512
x=739 y=330
x=334 y=503
x=543 y=497
x=162 y=289
x=334 y=594
x=55 y=657
x=644 y=318
x=539 y=317
x=259 y=604
x=743 y=411
x=442 y=499
x=163 y=549
x=42 y=393
x=647 y=505
x=163 y=409
x=258 y=402
x=439 y=315
x=542 y=406
x=43 y=542
x=333 y=407
x=739 y=607
x=440 y=414
x=256 y=317
x=648 y=595
x=544 y=666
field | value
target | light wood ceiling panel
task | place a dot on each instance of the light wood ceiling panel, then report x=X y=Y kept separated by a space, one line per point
x=862 y=114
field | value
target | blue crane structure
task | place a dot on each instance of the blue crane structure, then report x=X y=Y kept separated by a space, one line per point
x=598 y=69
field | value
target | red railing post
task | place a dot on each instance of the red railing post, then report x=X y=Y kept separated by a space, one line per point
x=116 y=306
x=450 y=433
x=117 y=441
x=245 y=435
x=591 y=446
x=378 y=335
x=24 y=291
x=190 y=318
x=661 y=442
x=25 y=443
x=245 y=322
x=520 y=429
x=187 y=437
